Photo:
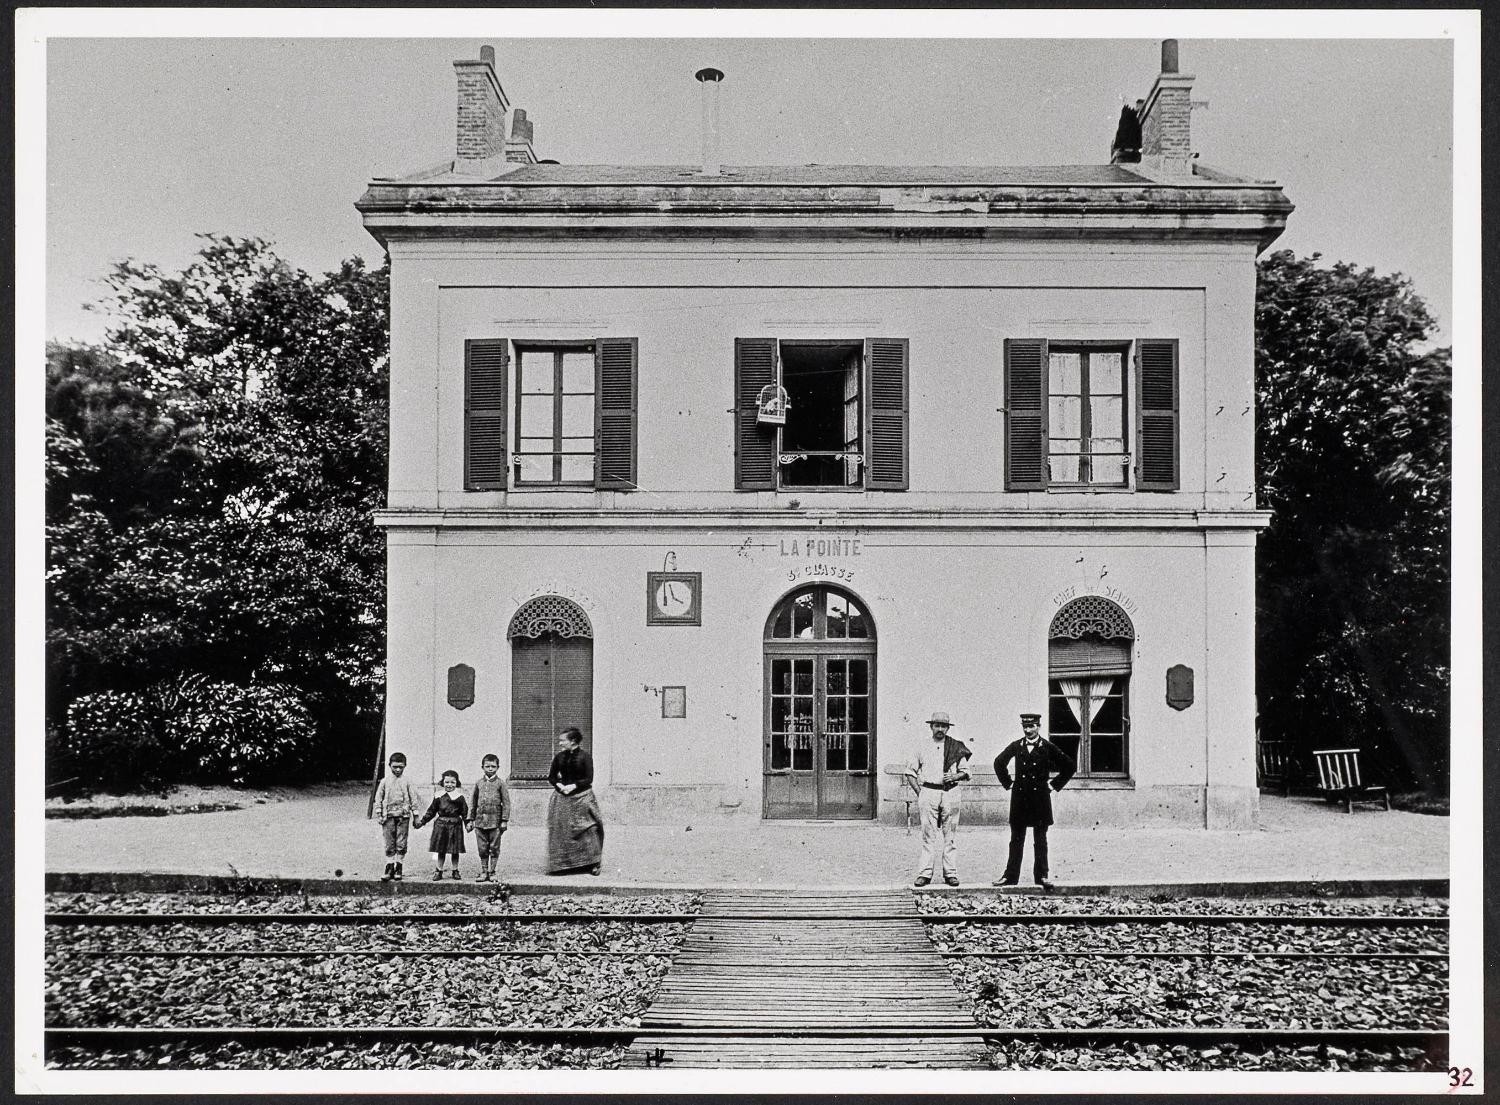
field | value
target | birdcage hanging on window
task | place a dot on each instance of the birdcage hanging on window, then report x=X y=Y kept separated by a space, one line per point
x=771 y=406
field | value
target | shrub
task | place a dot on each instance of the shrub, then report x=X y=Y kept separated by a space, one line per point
x=115 y=738
x=187 y=728
x=228 y=732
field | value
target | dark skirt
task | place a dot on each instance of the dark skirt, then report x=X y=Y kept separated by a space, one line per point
x=447 y=836
x=575 y=833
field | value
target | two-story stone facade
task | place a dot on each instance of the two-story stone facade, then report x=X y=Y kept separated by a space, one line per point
x=746 y=470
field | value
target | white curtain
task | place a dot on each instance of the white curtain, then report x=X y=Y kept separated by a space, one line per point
x=1097 y=688
x=1072 y=690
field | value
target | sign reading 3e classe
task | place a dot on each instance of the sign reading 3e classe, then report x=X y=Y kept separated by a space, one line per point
x=816 y=550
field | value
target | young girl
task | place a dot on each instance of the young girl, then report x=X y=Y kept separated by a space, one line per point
x=451 y=812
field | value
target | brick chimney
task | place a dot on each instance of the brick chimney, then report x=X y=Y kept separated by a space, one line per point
x=518 y=148
x=481 y=109
x=1166 y=118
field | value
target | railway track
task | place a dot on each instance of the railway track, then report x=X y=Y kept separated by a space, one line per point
x=762 y=1024
x=1313 y=920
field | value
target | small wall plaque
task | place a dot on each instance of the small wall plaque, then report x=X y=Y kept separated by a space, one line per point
x=460 y=686
x=674 y=598
x=1179 y=686
x=674 y=702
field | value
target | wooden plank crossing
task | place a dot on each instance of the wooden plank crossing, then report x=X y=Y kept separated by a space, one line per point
x=808 y=974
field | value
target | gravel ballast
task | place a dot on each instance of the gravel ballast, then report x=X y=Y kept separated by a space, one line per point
x=556 y=990
x=613 y=986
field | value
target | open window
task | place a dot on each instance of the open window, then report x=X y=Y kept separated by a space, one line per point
x=821 y=414
x=822 y=439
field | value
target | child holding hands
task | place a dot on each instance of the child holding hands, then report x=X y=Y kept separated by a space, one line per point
x=451 y=811
x=396 y=807
x=489 y=815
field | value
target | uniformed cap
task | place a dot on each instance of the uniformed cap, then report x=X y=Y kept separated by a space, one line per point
x=939 y=717
x=1031 y=717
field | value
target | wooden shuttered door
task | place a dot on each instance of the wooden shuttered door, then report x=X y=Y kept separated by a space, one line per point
x=615 y=386
x=887 y=387
x=1026 y=414
x=754 y=445
x=486 y=365
x=552 y=687
x=1157 y=448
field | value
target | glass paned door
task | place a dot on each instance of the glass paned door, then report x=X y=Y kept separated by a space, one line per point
x=818 y=736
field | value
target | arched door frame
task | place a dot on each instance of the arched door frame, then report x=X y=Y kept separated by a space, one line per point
x=552 y=681
x=1091 y=640
x=828 y=684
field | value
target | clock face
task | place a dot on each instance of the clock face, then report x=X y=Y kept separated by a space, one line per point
x=673 y=598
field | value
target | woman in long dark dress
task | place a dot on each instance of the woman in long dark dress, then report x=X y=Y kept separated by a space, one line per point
x=575 y=830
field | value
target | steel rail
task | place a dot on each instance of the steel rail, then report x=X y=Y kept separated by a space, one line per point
x=1203 y=954
x=327 y=953
x=531 y=953
x=55 y=1037
x=210 y=919
x=1312 y=920
x=1304 y=921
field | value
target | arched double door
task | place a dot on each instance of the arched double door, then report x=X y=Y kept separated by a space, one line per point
x=819 y=747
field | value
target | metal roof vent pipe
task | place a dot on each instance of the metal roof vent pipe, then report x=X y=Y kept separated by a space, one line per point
x=709 y=79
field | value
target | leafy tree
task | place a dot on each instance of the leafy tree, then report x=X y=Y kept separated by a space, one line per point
x=1354 y=458
x=211 y=475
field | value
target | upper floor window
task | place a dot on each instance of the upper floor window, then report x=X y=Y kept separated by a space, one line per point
x=843 y=423
x=573 y=421
x=555 y=415
x=1068 y=406
x=1086 y=416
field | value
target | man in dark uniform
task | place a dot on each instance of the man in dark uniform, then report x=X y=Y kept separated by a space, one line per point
x=1031 y=802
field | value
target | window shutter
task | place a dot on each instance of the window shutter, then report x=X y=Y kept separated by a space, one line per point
x=1026 y=414
x=754 y=445
x=486 y=461
x=1156 y=406
x=615 y=368
x=573 y=687
x=531 y=731
x=886 y=384
x=552 y=687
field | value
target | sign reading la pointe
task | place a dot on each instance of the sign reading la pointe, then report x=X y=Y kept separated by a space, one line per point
x=820 y=546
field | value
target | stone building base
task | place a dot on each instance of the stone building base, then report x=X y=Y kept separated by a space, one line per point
x=1217 y=807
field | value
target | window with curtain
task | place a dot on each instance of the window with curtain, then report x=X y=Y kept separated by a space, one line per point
x=1088 y=686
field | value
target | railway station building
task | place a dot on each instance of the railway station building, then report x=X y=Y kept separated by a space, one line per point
x=747 y=470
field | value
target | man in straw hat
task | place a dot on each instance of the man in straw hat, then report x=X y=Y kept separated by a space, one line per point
x=936 y=771
x=1031 y=800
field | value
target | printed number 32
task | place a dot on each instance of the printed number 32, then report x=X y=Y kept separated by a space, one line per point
x=1460 y=1076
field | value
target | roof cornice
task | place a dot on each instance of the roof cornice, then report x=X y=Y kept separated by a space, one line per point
x=502 y=207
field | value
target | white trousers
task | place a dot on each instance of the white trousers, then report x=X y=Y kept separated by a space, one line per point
x=940 y=811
